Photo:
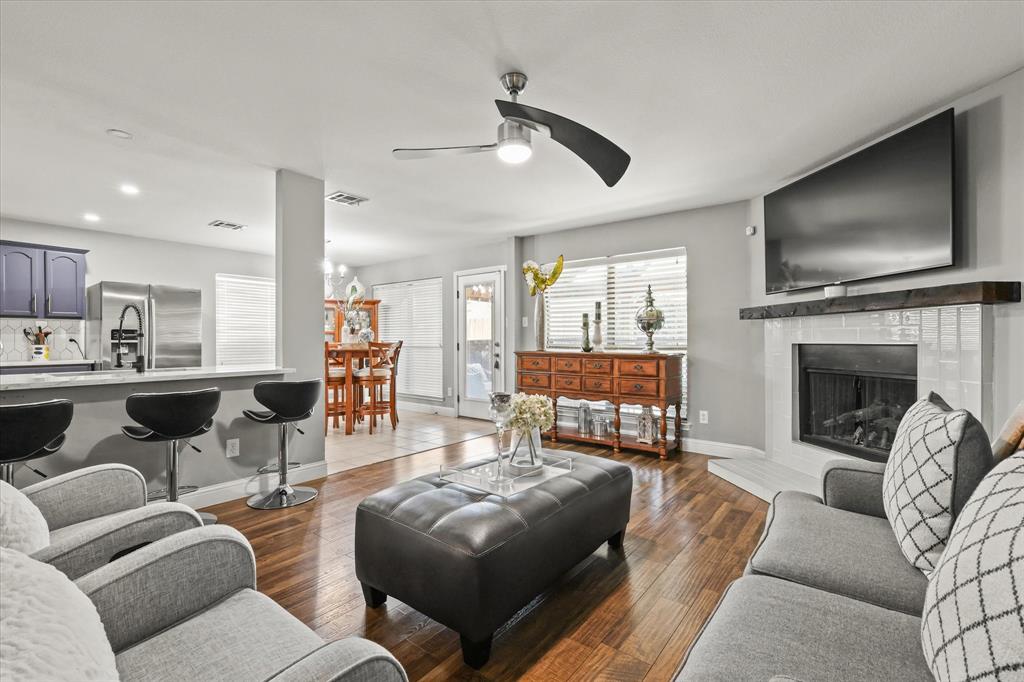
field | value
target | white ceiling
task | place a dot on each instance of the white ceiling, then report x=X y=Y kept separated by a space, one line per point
x=714 y=101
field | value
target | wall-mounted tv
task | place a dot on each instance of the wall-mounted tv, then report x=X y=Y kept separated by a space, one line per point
x=884 y=210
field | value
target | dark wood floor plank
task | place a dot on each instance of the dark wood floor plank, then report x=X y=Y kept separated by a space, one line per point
x=622 y=615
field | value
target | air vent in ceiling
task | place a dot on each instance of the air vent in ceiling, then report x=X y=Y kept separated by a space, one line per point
x=224 y=224
x=345 y=198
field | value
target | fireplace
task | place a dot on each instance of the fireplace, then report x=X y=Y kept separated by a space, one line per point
x=851 y=397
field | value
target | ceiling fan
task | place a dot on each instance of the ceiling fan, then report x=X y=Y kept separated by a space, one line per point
x=514 y=146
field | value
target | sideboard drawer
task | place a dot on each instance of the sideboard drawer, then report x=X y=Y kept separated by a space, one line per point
x=534 y=363
x=638 y=368
x=567 y=382
x=527 y=380
x=598 y=384
x=646 y=387
x=593 y=366
x=572 y=365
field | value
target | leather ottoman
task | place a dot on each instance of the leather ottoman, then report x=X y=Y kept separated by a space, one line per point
x=471 y=560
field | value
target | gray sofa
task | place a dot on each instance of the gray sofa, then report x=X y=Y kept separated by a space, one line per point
x=97 y=513
x=827 y=595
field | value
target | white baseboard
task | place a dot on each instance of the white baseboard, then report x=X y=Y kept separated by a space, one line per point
x=425 y=408
x=244 y=487
x=717 y=449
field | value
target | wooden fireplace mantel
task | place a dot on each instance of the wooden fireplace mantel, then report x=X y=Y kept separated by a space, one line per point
x=985 y=293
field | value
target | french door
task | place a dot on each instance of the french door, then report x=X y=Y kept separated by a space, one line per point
x=480 y=336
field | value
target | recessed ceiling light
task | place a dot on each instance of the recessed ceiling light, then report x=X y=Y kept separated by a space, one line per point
x=119 y=134
x=129 y=189
x=90 y=217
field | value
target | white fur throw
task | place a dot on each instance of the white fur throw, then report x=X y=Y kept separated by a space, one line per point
x=49 y=630
x=22 y=526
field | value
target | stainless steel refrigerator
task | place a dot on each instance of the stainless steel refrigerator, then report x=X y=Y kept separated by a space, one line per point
x=172 y=320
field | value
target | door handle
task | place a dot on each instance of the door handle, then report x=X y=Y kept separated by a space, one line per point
x=33 y=304
x=49 y=303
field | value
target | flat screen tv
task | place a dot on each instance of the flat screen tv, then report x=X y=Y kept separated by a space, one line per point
x=884 y=210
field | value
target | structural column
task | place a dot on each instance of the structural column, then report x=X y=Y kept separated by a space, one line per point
x=299 y=258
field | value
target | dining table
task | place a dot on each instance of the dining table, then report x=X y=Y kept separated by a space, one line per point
x=351 y=356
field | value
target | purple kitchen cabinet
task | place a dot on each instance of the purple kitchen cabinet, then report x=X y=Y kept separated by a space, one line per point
x=21 y=280
x=64 y=276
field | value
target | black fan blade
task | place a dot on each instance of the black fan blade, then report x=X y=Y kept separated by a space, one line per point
x=606 y=158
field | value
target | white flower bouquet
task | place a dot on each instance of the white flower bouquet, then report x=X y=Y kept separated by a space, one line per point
x=531 y=412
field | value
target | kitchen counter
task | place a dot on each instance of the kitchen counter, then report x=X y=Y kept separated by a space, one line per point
x=41 y=364
x=43 y=380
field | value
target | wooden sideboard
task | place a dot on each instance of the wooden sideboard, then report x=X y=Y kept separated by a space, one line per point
x=620 y=378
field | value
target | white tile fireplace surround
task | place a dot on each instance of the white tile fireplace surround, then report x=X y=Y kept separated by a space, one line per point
x=954 y=359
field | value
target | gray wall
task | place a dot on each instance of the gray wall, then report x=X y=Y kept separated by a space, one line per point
x=990 y=197
x=444 y=265
x=726 y=361
x=124 y=258
x=726 y=365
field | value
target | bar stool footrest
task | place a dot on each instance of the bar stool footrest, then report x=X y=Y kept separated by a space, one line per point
x=272 y=468
x=161 y=494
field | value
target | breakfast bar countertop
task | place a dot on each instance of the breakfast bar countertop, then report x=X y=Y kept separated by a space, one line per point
x=24 y=382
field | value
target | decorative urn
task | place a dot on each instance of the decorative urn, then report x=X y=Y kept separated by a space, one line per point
x=649 y=319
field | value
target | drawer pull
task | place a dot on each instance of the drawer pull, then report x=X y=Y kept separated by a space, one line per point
x=638 y=387
x=638 y=367
x=598 y=365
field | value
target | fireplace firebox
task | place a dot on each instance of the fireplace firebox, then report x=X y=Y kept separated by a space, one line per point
x=851 y=397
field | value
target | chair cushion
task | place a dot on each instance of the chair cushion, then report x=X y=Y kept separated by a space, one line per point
x=842 y=552
x=377 y=372
x=973 y=623
x=22 y=525
x=938 y=457
x=49 y=630
x=245 y=637
x=765 y=627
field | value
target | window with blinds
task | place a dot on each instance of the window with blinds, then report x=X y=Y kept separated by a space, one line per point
x=619 y=283
x=411 y=312
x=246 y=318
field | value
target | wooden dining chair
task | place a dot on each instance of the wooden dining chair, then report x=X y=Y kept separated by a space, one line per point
x=334 y=386
x=380 y=373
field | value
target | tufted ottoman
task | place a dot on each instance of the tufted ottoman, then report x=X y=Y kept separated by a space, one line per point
x=470 y=560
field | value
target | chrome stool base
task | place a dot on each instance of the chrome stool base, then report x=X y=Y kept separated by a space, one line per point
x=282 y=497
x=273 y=468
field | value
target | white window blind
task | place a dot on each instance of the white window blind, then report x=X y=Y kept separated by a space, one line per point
x=620 y=284
x=411 y=312
x=245 y=312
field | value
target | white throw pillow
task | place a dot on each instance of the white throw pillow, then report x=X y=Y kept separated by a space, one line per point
x=22 y=526
x=49 y=630
x=972 y=627
x=926 y=479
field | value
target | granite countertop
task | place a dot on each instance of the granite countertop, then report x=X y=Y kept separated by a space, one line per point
x=26 y=382
x=43 y=364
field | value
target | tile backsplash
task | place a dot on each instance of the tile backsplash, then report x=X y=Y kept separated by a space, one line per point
x=17 y=348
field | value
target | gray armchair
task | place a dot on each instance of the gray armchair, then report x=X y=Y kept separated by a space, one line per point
x=185 y=607
x=97 y=513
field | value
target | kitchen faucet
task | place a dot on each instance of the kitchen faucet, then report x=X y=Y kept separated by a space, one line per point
x=140 y=359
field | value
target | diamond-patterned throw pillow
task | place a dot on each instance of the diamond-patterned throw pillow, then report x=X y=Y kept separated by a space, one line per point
x=972 y=627
x=928 y=478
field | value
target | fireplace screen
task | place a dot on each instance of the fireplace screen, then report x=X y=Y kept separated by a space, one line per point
x=852 y=396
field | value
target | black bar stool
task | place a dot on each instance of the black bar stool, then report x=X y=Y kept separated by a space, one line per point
x=172 y=418
x=286 y=402
x=31 y=430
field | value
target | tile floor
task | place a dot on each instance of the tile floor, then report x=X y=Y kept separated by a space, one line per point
x=416 y=432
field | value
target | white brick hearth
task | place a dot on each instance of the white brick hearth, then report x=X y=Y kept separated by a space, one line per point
x=954 y=358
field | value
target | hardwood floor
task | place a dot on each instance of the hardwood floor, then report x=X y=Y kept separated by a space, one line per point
x=626 y=615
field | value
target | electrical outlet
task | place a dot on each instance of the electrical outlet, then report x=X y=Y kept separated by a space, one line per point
x=703 y=416
x=233 y=447
x=449 y=391
x=526 y=322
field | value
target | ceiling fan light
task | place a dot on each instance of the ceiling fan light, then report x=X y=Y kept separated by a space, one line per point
x=514 y=151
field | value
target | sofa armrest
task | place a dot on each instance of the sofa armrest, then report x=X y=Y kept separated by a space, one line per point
x=88 y=493
x=168 y=581
x=76 y=550
x=854 y=485
x=351 y=660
